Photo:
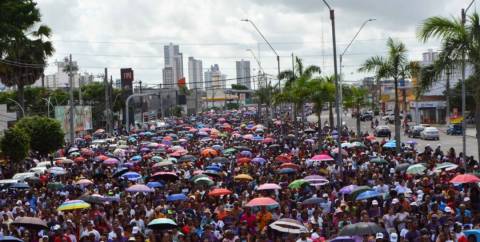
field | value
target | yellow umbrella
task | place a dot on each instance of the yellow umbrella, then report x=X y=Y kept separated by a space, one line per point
x=243 y=177
x=73 y=205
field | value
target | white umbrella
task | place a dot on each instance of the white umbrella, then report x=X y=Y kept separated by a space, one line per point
x=57 y=170
x=287 y=225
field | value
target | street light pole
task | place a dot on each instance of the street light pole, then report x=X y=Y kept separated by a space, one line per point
x=72 y=106
x=464 y=102
x=126 y=107
x=341 y=60
x=20 y=106
x=337 y=95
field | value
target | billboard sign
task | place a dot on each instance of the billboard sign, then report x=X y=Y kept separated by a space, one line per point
x=82 y=116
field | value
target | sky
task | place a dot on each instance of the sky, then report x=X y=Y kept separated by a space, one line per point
x=125 y=33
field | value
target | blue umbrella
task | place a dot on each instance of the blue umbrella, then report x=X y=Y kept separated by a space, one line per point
x=257 y=138
x=259 y=160
x=20 y=185
x=177 y=197
x=390 y=144
x=286 y=171
x=246 y=153
x=217 y=147
x=136 y=158
x=155 y=184
x=368 y=195
x=213 y=168
x=132 y=176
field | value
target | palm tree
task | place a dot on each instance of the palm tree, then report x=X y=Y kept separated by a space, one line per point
x=322 y=91
x=374 y=64
x=264 y=96
x=356 y=98
x=296 y=90
x=23 y=57
x=459 y=39
x=393 y=66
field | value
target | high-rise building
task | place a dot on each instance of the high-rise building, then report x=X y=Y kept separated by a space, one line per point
x=213 y=78
x=243 y=73
x=195 y=77
x=173 y=70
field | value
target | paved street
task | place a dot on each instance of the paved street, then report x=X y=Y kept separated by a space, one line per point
x=446 y=141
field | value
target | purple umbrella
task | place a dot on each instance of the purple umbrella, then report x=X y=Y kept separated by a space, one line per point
x=246 y=153
x=139 y=188
x=259 y=160
x=110 y=161
x=316 y=180
x=348 y=189
x=144 y=149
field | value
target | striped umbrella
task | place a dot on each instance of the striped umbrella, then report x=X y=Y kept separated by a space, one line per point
x=287 y=225
x=73 y=205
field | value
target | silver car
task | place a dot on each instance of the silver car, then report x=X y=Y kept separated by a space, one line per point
x=430 y=133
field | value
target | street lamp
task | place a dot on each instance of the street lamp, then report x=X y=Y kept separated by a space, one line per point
x=20 y=106
x=268 y=43
x=341 y=60
x=337 y=95
x=464 y=102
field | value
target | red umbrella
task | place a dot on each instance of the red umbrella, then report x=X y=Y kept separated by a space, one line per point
x=219 y=192
x=244 y=160
x=322 y=157
x=283 y=158
x=267 y=141
x=465 y=178
x=269 y=186
x=290 y=165
x=79 y=159
x=261 y=201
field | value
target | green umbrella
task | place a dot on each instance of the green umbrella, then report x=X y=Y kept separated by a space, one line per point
x=203 y=180
x=358 y=144
x=297 y=184
x=416 y=169
x=197 y=177
x=359 y=190
x=171 y=159
x=229 y=151
x=445 y=165
x=157 y=158
x=379 y=160
x=55 y=186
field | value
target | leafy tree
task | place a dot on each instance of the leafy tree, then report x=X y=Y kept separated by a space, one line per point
x=22 y=38
x=239 y=87
x=322 y=92
x=394 y=65
x=264 y=96
x=46 y=134
x=357 y=98
x=457 y=40
x=15 y=144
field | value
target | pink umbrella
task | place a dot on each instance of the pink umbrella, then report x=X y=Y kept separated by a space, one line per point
x=267 y=141
x=261 y=201
x=465 y=178
x=110 y=161
x=322 y=157
x=269 y=186
x=248 y=136
x=84 y=182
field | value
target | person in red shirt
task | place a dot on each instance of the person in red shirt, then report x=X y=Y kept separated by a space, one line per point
x=249 y=218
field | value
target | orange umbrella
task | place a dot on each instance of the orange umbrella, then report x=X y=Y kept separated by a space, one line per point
x=209 y=152
x=244 y=177
x=102 y=157
x=219 y=192
x=79 y=159
x=290 y=165
x=244 y=160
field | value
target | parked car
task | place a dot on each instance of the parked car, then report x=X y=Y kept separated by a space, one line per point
x=382 y=131
x=454 y=129
x=366 y=116
x=390 y=118
x=430 y=133
x=415 y=131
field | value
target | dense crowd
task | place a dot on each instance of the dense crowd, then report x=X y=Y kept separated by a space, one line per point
x=226 y=177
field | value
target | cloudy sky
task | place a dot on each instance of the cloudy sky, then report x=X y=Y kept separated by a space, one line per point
x=127 y=33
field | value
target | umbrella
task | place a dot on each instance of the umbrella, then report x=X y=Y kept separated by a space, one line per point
x=297 y=184
x=166 y=176
x=120 y=171
x=219 y=192
x=357 y=144
x=204 y=180
x=83 y=182
x=162 y=164
x=219 y=159
x=73 y=205
x=209 y=152
x=309 y=130
x=465 y=178
x=110 y=161
x=246 y=153
x=229 y=151
x=322 y=157
x=412 y=142
x=197 y=177
x=243 y=177
x=30 y=223
x=213 y=168
x=259 y=160
x=346 y=145
x=187 y=158
x=390 y=144
x=316 y=180
x=162 y=224
x=347 y=189
x=286 y=171
x=177 y=197
x=360 y=229
x=20 y=185
x=57 y=170
x=445 y=166
x=416 y=169
x=55 y=186
x=132 y=176
x=312 y=201
x=155 y=184
x=269 y=186
x=139 y=188
x=402 y=167
x=94 y=198
x=335 y=151
x=10 y=239
x=368 y=194
x=378 y=160
x=261 y=201
x=359 y=190
x=290 y=165
x=287 y=225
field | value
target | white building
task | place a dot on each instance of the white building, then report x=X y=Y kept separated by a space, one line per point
x=195 y=77
x=243 y=73
x=60 y=78
x=173 y=70
x=214 y=79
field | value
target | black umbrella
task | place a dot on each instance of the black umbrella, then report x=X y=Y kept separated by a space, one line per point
x=312 y=201
x=402 y=167
x=361 y=229
x=219 y=159
x=30 y=223
x=98 y=199
x=187 y=158
x=309 y=130
x=120 y=171
x=241 y=148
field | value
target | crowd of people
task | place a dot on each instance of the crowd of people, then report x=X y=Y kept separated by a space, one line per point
x=223 y=176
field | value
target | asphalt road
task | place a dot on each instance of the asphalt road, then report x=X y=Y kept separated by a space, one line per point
x=446 y=141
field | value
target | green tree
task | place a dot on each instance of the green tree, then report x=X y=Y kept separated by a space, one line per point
x=264 y=96
x=377 y=65
x=24 y=45
x=322 y=92
x=14 y=145
x=356 y=98
x=393 y=66
x=458 y=40
x=46 y=134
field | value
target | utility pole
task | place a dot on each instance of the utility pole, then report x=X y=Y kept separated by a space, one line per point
x=72 y=106
x=107 y=101
x=141 y=102
x=110 y=104
x=80 y=99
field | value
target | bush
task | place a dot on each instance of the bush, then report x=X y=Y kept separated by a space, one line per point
x=46 y=134
x=15 y=144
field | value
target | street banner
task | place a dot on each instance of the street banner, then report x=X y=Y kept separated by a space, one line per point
x=82 y=118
